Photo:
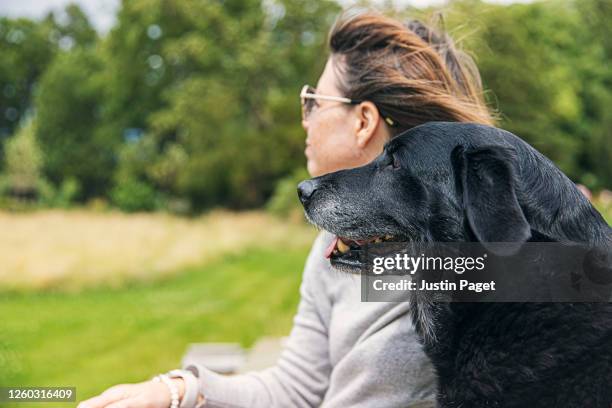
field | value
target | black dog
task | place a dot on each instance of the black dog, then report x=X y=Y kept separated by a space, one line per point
x=460 y=182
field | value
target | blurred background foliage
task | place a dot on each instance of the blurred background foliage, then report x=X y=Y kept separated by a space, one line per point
x=187 y=105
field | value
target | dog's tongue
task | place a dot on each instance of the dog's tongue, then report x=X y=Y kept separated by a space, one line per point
x=330 y=247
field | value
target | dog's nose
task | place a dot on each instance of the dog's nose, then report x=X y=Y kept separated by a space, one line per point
x=305 y=190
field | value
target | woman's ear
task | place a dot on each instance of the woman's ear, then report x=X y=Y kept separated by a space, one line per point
x=367 y=122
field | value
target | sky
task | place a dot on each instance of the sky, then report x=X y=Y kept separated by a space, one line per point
x=102 y=12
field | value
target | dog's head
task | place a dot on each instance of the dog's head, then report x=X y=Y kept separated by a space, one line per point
x=443 y=182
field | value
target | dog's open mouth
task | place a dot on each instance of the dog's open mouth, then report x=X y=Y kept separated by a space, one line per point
x=346 y=252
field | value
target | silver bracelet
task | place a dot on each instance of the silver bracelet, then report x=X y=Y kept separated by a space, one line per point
x=174 y=394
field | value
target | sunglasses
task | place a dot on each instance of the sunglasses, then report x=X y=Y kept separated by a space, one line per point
x=308 y=97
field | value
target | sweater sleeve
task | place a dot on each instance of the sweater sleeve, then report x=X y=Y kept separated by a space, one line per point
x=301 y=376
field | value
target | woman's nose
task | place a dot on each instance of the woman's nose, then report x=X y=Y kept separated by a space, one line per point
x=305 y=124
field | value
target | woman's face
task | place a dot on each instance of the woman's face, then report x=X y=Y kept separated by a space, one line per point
x=332 y=129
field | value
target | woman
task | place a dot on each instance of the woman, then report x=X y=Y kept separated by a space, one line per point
x=382 y=78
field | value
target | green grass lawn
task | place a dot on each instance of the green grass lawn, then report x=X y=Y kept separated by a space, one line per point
x=101 y=337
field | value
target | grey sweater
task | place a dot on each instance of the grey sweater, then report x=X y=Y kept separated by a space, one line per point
x=341 y=352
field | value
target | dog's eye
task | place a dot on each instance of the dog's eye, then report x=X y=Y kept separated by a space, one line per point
x=396 y=162
x=393 y=162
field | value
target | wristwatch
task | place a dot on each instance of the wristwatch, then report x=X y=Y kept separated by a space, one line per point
x=191 y=397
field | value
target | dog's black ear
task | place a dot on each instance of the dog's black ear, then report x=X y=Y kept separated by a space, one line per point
x=485 y=181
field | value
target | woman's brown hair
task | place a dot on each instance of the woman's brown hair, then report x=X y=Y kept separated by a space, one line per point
x=410 y=72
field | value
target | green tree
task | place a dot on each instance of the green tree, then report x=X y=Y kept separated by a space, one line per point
x=236 y=110
x=544 y=67
x=596 y=93
x=69 y=108
x=24 y=159
x=26 y=48
x=75 y=29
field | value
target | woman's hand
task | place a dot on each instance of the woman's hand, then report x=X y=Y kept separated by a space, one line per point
x=146 y=394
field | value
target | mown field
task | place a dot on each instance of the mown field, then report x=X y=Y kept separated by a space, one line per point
x=94 y=333
x=72 y=250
